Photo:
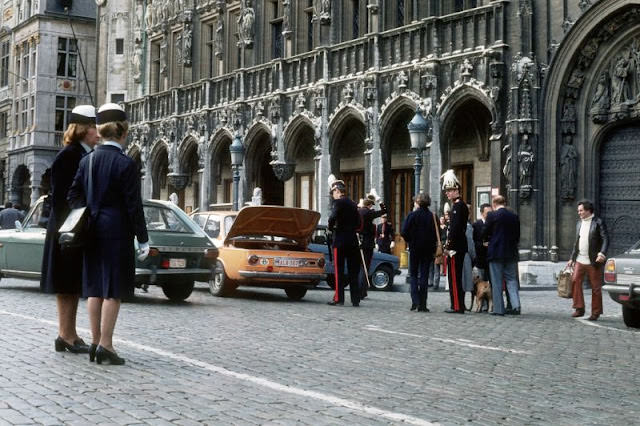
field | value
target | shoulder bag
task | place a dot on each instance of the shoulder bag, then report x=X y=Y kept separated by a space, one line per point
x=438 y=259
x=75 y=229
x=565 y=285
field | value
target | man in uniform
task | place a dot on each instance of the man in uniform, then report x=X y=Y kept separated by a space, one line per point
x=456 y=245
x=343 y=222
x=368 y=235
x=385 y=235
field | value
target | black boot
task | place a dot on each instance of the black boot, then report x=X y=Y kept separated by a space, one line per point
x=423 y=302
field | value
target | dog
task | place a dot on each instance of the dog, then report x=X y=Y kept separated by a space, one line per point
x=482 y=289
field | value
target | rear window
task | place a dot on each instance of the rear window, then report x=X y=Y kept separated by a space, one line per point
x=163 y=219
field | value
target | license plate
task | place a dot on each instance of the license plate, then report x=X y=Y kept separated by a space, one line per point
x=284 y=261
x=177 y=263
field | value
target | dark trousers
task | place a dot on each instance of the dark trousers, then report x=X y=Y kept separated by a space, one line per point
x=351 y=256
x=368 y=255
x=456 y=293
x=419 y=264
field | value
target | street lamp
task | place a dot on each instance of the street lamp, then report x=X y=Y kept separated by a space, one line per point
x=237 y=155
x=418 y=129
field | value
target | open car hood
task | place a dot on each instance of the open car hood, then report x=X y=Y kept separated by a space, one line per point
x=288 y=222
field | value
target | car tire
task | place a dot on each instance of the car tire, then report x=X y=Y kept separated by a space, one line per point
x=179 y=291
x=331 y=281
x=219 y=284
x=631 y=317
x=295 y=293
x=382 y=278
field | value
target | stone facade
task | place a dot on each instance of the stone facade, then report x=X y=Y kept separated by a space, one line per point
x=41 y=78
x=534 y=100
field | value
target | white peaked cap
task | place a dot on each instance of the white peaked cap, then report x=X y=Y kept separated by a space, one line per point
x=83 y=114
x=110 y=112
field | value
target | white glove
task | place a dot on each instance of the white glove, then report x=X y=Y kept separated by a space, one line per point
x=143 y=251
x=393 y=244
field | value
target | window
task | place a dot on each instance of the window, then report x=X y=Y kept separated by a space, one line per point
x=32 y=110
x=26 y=55
x=117 y=98
x=356 y=18
x=32 y=72
x=24 y=113
x=310 y=30
x=4 y=64
x=209 y=50
x=119 y=46
x=458 y=5
x=27 y=9
x=277 y=39
x=155 y=67
x=400 y=14
x=67 y=57
x=64 y=105
x=3 y=124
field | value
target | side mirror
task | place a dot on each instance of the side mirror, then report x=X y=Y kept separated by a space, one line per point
x=18 y=225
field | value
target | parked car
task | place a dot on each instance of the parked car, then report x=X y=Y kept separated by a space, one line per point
x=264 y=246
x=622 y=282
x=180 y=252
x=384 y=267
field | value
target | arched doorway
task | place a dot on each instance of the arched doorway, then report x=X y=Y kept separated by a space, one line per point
x=465 y=149
x=21 y=187
x=159 y=172
x=259 y=170
x=299 y=145
x=190 y=166
x=221 y=176
x=135 y=156
x=347 y=156
x=619 y=187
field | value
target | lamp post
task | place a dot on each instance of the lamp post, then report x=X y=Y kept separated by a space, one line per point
x=418 y=129
x=237 y=155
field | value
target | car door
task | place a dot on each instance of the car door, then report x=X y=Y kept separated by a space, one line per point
x=24 y=250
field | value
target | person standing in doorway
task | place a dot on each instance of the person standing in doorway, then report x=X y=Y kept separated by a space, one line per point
x=456 y=246
x=108 y=183
x=62 y=270
x=588 y=257
x=385 y=235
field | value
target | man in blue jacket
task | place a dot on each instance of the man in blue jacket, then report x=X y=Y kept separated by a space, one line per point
x=502 y=232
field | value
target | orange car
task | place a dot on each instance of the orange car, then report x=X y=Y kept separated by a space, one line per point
x=266 y=246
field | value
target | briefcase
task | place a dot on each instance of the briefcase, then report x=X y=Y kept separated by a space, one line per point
x=74 y=230
x=565 y=285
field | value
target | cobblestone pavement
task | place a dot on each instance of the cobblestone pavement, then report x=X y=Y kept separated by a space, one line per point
x=259 y=358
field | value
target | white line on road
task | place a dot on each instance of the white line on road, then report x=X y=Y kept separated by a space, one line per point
x=260 y=381
x=594 y=324
x=461 y=342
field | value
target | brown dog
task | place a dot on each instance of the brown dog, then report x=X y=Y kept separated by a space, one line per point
x=483 y=292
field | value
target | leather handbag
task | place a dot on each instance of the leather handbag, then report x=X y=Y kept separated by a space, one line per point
x=74 y=232
x=565 y=284
x=438 y=259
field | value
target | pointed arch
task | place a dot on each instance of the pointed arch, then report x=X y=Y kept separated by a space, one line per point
x=340 y=117
x=291 y=135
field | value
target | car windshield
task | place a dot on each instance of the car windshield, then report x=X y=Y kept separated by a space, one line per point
x=163 y=219
x=35 y=218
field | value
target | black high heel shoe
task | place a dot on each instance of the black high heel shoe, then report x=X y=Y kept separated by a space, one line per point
x=103 y=354
x=92 y=352
x=78 y=346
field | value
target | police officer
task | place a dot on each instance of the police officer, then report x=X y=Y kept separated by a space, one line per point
x=343 y=222
x=456 y=245
x=368 y=236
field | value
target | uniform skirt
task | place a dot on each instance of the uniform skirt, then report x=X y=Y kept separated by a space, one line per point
x=109 y=269
x=61 y=269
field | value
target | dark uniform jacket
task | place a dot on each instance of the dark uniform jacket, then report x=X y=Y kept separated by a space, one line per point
x=598 y=240
x=384 y=243
x=368 y=231
x=419 y=231
x=344 y=221
x=61 y=272
x=9 y=216
x=502 y=231
x=481 y=250
x=456 y=237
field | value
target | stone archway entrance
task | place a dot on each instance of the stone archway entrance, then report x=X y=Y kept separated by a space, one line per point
x=347 y=158
x=260 y=173
x=619 y=187
x=159 y=172
x=221 y=176
x=21 y=187
x=465 y=148
x=299 y=147
x=190 y=166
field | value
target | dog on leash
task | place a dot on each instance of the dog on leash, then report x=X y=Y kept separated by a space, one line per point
x=482 y=290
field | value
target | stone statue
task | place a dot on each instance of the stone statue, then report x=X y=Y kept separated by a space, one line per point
x=506 y=170
x=136 y=62
x=163 y=56
x=219 y=40
x=286 y=4
x=568 y=168
x=256 y=199
x=173 y=198
x=325 y=11
x=149 y=15
x=620 y=82
x=179 y=52
x=144 y=151
x=187 y=36
x=568 y=120
x=525 y=161
x=201 y=148
x=246 y=23
x=138 y=21
x=369 y=123
x=601 y=99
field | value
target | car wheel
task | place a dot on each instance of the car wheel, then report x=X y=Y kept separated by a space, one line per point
x=631 y=317
x=295 y=293
x=178 y=291
x=331 y=281
x=382 y=278
x=220 y=285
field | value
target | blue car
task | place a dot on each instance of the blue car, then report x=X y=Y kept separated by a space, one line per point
x=384 y=267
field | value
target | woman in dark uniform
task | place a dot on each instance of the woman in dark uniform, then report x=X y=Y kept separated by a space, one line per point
x=116 y=218
x=62 y=270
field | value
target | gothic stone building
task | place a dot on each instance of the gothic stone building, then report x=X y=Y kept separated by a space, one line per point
x=536 y=100
x=41 y=80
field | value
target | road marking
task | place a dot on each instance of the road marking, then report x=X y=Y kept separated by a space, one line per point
x=461 y=342
x=594 y=324
x=259 y=381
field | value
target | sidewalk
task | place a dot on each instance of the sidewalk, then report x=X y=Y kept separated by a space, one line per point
x=534 y=275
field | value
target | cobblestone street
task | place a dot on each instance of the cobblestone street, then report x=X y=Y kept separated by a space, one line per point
x=259 y=358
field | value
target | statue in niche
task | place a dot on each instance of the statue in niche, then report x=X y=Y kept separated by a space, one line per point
x=325 y=12
x=256 y=198
x=187 y=35
x=219 y=40
x=246 y=23
x=285 y=17
x=525 y=161
x=506 y=170
x=635 y=53
x=179 y=6
x=620 y=81
x=601 y=99
x=568 y=168
x=163 y=56
x=568 y=120
x=144 y=152
x=136 y=62
x=149 y=15
x=369 y=123
x=179 y=51
x=138 y=20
